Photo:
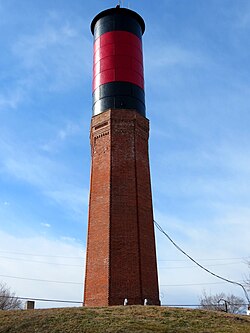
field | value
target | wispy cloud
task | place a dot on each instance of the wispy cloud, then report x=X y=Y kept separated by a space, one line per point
x=70 y=196
x=208 y=241
x=214 y=171
x=2 y=12
x=54 y=54
x=36 y=171
x=173 y=56
x=44 y=173
x=54 y=58
x=45 y=225
x=69 y=130
x=173 y=65
x=242 y=16
x=68 y=239
x=11 y=99
x=42 y=258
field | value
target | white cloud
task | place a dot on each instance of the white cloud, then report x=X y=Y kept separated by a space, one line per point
x=54 y=55
x=74 y=197
x=41 y=258
x=242 y=16
x=37 y=172
x=45 y=225
x=69 y=130
x=207 y=243
x=2 y=13
x=68 y=31
x=210 y=189
x=68 y=239
x=50 y=176
x=213 y=172
x=55 y=58
x=174 y=55
x=44 y=259
x=173 y=66
x=11 y=99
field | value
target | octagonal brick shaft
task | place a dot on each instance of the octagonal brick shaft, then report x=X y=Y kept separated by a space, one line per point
x=121 y=257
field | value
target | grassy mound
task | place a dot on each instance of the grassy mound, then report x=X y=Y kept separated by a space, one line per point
x=127 y=319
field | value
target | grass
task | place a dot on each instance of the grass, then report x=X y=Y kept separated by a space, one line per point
x=127 y=319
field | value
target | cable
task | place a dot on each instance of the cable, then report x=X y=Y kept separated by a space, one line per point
x=208 y=259
x=40 y=280
x=190 y=284
x=42 y=299
x=198 y=305
x=40 y=262
x=202 y=267
x=80 y=283
x=70 y=265
x=231 y=263
x=41 y=255
x=178 y=285
x=80 y=302
x=81 y=258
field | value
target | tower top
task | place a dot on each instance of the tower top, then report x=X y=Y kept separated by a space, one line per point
x=118 y=78
x=118 y=11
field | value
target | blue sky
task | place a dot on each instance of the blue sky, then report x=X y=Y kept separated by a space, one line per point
x=196 y=57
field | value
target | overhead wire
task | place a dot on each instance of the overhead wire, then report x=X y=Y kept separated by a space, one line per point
x=39 y=280
x=80 y=283
x=41 y=255
x=194 y=266
x=40 y=262
x=74 y=265
x=82 y=257
x=161 y=230
x=201 y=266
x=42 y=299
x=191 y=284
x=81 y=302
x=208 y=259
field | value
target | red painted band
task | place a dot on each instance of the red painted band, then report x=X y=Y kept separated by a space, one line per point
x=118 y=57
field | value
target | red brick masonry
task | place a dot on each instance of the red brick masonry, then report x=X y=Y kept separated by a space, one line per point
x=121 y=258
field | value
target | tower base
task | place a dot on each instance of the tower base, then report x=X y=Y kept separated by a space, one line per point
x=121 y=257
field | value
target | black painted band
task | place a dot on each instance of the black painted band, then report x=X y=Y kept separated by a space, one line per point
x=118 y=19
x=118 y=95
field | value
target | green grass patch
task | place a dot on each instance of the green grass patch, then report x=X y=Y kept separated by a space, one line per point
x=122 y=319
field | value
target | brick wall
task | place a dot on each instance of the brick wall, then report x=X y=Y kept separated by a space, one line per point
x=121 y=259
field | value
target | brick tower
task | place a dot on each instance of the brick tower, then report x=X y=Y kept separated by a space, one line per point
x=121 y=257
